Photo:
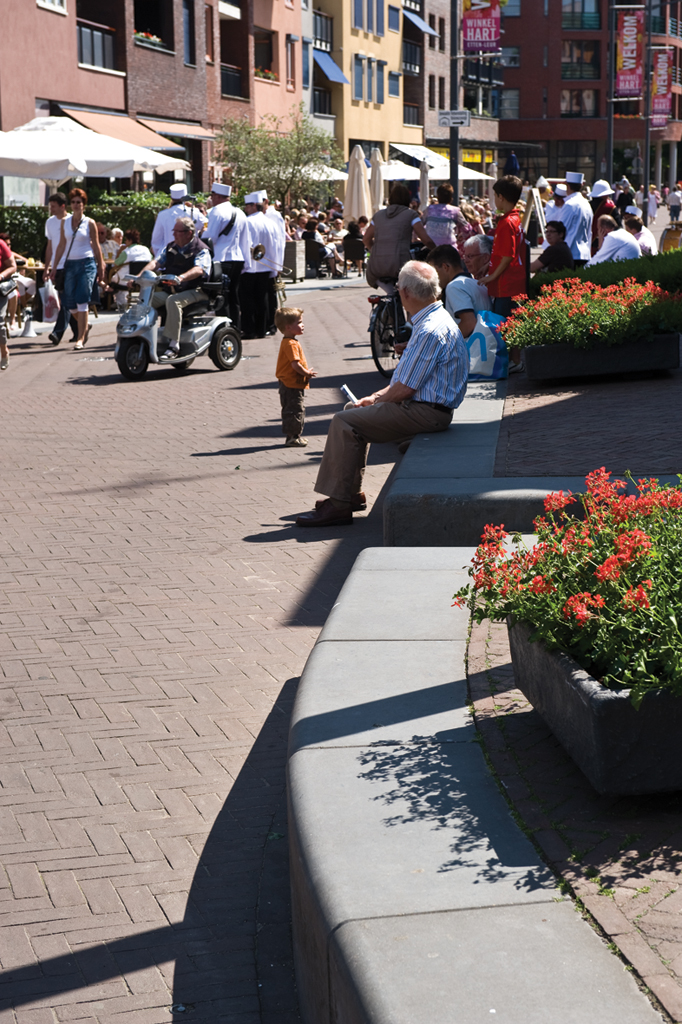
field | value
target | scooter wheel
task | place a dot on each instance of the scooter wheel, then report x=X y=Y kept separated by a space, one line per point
x=226 y=348
x=133 y=359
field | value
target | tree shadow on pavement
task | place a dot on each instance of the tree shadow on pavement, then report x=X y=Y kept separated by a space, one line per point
x=231 y=963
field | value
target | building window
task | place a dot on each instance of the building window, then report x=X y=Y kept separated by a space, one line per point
x=59 y=5
x=412 y=58
x=230 y=80
x=262 y=46
x=441 y=94
x=154 y=18
x=580 y=14
x=394 y=19
x=358 y=78
x=511 y=57
x=441 y=35
x=393 y=84
x=380 y=81
x=188 y=31
x=322 y=102
x=95 y=45
x=432 y=25
x=323 y=31
x=210 y=49
x=358 y=12
x=432 y=92
x=291 y=66
x=305 y=65
x=579 y=59
x=578 y=103
x=512 y=9
x=379 y=31
x=544 y=103
x=370 y=16
x=411 y=114
x=545 y=56
x=509 y=104
x=370 y=81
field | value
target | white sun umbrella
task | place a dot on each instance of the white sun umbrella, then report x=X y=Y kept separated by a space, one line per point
x=42 y=145
x=465 y=174
x=376 y=186
x=324 y=173
x=423 y=185
x=396 y=170
x=358 y=202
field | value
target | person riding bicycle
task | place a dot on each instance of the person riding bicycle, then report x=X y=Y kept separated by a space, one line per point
x=389 y=235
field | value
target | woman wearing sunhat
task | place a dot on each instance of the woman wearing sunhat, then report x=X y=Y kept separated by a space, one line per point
x=602 y=202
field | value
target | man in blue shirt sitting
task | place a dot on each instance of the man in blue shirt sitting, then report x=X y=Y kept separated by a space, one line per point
x=188 y=260
x=428 y=383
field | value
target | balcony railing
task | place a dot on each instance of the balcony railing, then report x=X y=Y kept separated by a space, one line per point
x=579 y=70
x=483 y=74
x=323 y=31
x=230 y=80
x=413 y=5
x=322 y=102
x=411 y=114
x=96 y=45
x=674 y=27
x=412 y=60
x=658 y=26
x=581 y=21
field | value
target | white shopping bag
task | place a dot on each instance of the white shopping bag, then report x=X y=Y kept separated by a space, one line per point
x=48 y=294
x=488 y=357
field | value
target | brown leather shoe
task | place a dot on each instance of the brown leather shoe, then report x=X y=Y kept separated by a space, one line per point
x=326 y=515
x=358 y=503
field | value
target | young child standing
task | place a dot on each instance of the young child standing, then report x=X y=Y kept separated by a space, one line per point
x=293 y=374
x=507 y=275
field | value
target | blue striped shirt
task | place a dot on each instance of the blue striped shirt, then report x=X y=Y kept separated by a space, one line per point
x=435 y=363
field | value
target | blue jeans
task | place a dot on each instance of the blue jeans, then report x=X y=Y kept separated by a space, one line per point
x=79 y=278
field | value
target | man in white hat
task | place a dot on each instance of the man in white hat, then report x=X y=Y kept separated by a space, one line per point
x=554 y=207
x=257 y=280
x=577 y=218
x=162 y=234
x=602 y=204
x=228 y=230
x=270 y=210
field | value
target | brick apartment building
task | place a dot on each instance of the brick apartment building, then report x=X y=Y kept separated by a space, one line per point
x=554 y=100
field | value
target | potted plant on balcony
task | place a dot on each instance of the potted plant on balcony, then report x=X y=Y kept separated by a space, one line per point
x=578 y=328
x=269 y=76
x=148 y=39
x=594 y=612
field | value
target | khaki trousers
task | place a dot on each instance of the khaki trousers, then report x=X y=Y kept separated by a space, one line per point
x=351 y=431
x=175 y=303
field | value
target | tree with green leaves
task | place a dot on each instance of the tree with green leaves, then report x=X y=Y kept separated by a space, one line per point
x=287 y=156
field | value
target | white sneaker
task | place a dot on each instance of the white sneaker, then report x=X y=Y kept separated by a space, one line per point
x=4 y=362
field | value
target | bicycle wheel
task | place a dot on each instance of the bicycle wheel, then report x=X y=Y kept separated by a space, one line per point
x=383 y=341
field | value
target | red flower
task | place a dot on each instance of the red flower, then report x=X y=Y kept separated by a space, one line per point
x=540 y=585
x=557 y=500
x=578 y=607
x=609 y=570
x=636 y=597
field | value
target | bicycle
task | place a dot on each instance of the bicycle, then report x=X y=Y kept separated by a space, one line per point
x=386 y=322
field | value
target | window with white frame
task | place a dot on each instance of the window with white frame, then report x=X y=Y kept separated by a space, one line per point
x=509 y=104
x=394 y=18
x=58 y=5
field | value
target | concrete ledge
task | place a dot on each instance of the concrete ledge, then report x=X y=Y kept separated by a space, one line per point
x=416 y=899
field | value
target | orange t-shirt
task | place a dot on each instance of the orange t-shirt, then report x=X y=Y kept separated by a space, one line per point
x=290 y=350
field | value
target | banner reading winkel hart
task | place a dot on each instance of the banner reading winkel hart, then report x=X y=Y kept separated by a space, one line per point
x=481 y=25
x=661 y=93
x=630 y=54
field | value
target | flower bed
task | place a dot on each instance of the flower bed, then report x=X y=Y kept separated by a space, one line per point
x=149 y=39
x=604 y=588
x=585 y=315
x=665 y=270
x=269 y=76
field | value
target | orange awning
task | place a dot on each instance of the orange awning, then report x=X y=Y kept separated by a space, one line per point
x=120 y=126
x=180 y=129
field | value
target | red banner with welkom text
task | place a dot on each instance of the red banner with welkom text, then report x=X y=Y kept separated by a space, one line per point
x=661 y=91
x=630 y=54
x=481 y=25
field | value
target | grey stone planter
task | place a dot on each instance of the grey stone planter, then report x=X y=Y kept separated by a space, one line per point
x=621 y=750
x=550 y=362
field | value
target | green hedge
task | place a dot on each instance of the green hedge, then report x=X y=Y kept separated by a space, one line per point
x=665 y=270
x=26 y=224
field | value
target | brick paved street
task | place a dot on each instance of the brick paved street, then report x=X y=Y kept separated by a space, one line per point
x=157 y=607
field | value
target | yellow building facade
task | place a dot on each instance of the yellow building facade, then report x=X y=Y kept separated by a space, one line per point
x=364 y=38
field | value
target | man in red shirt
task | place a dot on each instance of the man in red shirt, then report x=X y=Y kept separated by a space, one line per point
x=507 y=274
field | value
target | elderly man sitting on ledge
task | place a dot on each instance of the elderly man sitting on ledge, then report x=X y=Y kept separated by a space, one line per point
x=428 y=383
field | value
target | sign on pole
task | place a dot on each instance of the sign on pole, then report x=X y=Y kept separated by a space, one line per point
x=661 y=92
x=630 y=54
x=481 y=25
x=454 y=118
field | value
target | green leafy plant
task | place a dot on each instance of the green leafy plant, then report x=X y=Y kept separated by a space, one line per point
x=286 y=156
x=269 y=76
x=583 y=314
x=605 y=588
x=664 y=270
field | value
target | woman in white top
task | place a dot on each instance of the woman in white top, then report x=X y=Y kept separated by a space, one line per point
x=84 y=263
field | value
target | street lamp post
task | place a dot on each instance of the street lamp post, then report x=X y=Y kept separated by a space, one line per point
x=611 y=67
x=647 y=113
x=454 y=97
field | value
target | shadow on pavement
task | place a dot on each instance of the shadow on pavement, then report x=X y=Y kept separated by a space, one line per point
x=229 y=961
